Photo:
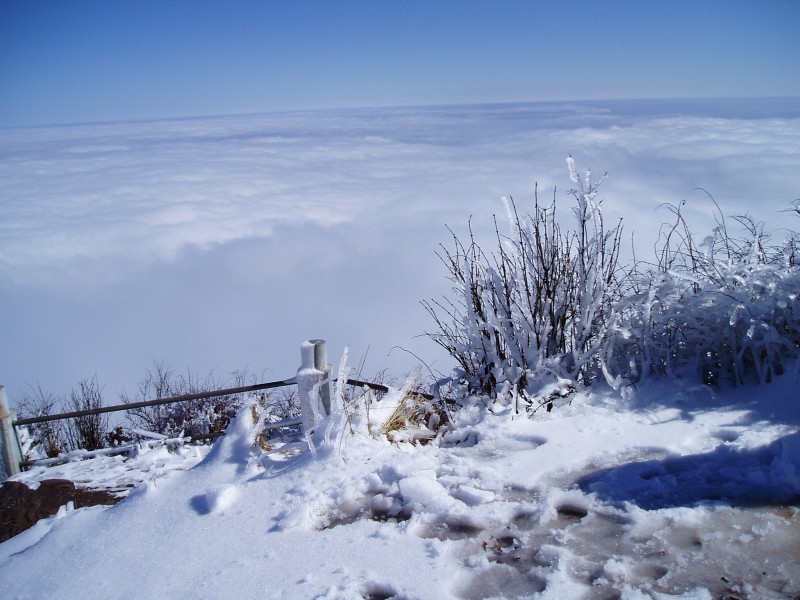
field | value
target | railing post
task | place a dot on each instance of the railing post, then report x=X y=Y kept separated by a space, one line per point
x=9 y=446
x=314 y=383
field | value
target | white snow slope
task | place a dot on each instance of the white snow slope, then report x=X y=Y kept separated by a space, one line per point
x=661 y=492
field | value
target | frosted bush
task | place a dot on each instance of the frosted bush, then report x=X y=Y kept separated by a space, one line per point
x=531 y=316
x=725 y=310
x=550 y=309
x=196 y=418
x=51 y=438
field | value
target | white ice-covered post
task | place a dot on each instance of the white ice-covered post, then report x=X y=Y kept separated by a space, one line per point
x=314 y=383
x=9 y=447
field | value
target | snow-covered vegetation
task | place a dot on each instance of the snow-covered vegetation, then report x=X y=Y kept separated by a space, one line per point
x=550 y=309
x=200 y=419
x=192 y=418
x=723 y=307
x=532 y=315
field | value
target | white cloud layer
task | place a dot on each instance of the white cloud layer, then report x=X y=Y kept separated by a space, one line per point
x=223 y=243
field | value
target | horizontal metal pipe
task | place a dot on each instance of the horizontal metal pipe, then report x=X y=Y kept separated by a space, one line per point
x=187 y=397
x=382 y=388
x=134 y=405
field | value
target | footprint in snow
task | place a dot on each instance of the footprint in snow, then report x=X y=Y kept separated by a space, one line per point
x=216 y=500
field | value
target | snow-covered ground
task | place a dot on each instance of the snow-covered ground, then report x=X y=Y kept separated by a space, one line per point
x=117 y=473
x=659 y=492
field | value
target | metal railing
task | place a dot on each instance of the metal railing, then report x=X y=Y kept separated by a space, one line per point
x=313 y=372
x=157 y=402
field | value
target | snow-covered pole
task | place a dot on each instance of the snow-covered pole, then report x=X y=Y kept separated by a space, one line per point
x=9 y=447
x=314 y=383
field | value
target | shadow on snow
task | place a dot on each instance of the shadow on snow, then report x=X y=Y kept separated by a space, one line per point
x=764 y=476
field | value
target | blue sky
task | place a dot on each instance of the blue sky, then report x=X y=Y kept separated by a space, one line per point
x=85 y=61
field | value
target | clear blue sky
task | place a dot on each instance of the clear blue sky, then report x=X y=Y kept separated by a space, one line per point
x=85 y=60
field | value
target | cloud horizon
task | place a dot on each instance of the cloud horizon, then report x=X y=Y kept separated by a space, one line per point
x=224 y=242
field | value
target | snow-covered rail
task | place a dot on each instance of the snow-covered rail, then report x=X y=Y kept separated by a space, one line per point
x=313 y=381
x=78 y=455
x=157 y=402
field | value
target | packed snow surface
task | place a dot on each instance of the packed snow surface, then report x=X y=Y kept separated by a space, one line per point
x=659 y=492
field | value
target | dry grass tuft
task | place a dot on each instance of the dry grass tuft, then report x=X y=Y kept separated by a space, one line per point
x=416 y=419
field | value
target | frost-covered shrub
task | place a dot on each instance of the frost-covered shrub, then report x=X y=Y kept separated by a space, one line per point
x=533 y=314
x=46 y=439
x=550 y=309
x=205 y=417
x=89 y=431
x=202 y=417
x=725 y=310
x=52 y=438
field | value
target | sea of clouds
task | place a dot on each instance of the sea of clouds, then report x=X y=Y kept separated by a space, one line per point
x=222 y=243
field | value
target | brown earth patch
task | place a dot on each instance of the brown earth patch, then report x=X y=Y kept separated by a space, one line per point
x=21 y=507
